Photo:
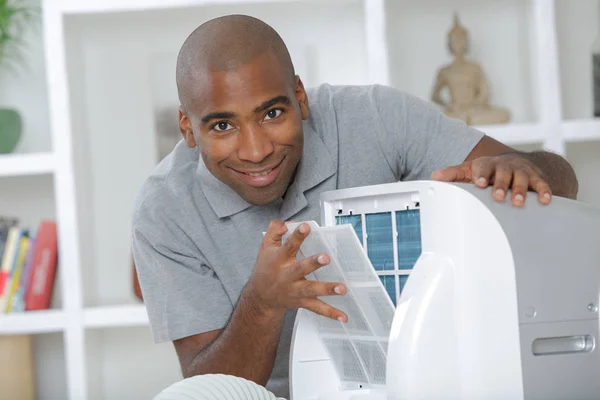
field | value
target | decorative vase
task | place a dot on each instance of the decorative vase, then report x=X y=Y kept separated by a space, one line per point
x=10 y=130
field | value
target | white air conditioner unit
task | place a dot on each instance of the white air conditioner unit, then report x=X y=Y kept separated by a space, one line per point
x=451 y=295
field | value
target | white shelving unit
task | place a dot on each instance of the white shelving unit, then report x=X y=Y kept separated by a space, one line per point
x=97 y=161
x=26 y=164
x=34 y=322
x=115 y=316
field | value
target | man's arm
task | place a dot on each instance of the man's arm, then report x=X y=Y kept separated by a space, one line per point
x=247 y=346
x=492 y=162
x=432 y=146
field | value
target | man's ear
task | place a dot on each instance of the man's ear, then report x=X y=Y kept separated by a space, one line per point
x=302 y=98
x=185 y=126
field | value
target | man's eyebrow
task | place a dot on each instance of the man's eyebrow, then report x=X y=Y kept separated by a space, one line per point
x=263 y=107
x=217 y=115
x=269 y=103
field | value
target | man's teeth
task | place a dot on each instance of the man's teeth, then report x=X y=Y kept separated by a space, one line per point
x=260 y=173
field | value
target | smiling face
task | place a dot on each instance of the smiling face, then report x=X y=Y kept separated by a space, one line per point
x=247 y=125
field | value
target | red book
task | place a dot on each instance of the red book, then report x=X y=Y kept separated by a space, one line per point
x=43 y=269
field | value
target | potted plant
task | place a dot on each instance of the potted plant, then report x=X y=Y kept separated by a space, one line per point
x=15 y=16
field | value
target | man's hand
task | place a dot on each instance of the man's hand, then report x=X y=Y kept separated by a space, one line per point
x=506 y=171
x=278 y=281
x=247 y=346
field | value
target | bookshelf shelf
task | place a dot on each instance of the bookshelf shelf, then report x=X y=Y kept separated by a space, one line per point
x=578 y=130
x=32 y=322
x=119 y=316
x=26 y=164
x=516 y=134
x=45 y=321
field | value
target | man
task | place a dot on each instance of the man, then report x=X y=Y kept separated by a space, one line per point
x=258 y=149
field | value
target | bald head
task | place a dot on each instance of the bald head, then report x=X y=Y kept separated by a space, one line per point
x=223 y=45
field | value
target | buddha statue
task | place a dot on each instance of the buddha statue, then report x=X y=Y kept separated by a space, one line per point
x=466 y=84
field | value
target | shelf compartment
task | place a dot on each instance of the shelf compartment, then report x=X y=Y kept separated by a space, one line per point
x=417 y=36
x=30 y=199
x=576 y=31
x=118 y=355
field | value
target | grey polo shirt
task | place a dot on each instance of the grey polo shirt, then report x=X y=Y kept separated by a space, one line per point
x=195 y=240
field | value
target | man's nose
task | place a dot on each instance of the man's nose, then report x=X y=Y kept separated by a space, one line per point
x=254 y=145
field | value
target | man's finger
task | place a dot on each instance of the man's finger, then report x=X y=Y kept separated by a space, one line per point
x=519 y=187
x=482 y=171
x=502 y=178
x=274 y=234
x=542 y=188
x=292 y=244
x=458 y=173
x=320 y=307
x=309 y=265
x=308 y=288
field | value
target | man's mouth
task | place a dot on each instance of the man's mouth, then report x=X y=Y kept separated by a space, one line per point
x=260 y=178
x=259 y=173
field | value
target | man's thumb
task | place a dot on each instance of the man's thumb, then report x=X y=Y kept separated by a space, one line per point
x=458 y=173
x=274 y=233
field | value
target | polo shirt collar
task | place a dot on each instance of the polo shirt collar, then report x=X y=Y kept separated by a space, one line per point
x=314 y=167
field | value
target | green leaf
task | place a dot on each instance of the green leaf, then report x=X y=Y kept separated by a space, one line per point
x=16 y=16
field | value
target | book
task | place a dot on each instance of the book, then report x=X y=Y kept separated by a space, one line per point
x=5 y=225
x=15 y=279
x=28 y=266
x=10 y=259
x=45 y=257
x=18 y=301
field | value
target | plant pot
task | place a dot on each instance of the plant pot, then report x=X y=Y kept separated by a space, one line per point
x=10 y=130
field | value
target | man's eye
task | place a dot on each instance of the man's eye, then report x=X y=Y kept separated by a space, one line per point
x=274 y=113
x=222 y=126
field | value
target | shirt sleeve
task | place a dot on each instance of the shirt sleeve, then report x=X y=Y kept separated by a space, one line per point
x=182 y=294
x=425 y=138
